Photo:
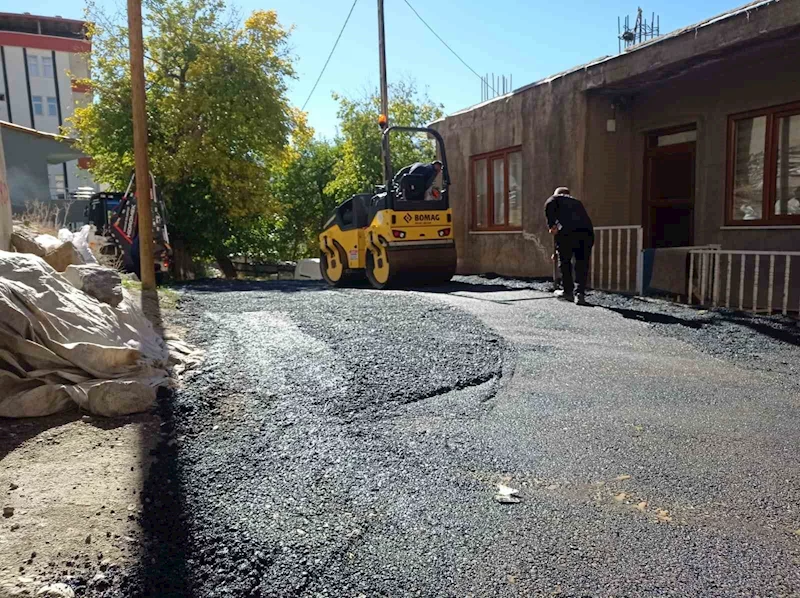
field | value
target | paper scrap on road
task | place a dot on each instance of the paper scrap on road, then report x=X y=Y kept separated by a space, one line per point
x=506 y=494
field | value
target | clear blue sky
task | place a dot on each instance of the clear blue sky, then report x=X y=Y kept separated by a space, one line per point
x=528 y=39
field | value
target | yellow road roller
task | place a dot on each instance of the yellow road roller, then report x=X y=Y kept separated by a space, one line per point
x=401 y=235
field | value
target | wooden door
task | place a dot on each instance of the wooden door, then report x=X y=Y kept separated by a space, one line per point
x=669 y=188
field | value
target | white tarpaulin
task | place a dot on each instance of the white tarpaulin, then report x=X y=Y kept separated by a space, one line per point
x=58 y=345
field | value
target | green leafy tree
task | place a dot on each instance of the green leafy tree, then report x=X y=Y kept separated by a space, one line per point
x=218 y=118
x=302 y=187
x=358 y=167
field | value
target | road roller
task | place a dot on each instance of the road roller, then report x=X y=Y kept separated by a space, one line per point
x=399 y=236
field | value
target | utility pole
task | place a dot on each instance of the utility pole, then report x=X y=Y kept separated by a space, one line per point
x=384 y=117
x=382 y=58
x=143 y=199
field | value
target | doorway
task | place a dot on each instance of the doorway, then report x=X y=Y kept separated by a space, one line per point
x=668 y=208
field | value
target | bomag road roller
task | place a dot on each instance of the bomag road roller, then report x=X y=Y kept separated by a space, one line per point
x=402 y=235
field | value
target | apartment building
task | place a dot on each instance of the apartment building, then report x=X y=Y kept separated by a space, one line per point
x=42 y=58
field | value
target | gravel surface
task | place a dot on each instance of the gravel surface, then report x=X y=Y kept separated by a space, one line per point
x=350 y=443
x=281 y=466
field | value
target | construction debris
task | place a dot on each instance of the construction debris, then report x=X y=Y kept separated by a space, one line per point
x=507 y=495
x=104 y=284
x=55 y=252
x=60 y=347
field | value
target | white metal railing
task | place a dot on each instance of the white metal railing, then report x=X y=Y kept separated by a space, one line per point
x=707 y=263
x=58 y=193
x=609 y=266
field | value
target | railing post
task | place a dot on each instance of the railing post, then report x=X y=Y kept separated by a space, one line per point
x=610 y=259
x=715 y=292
x=771 y=283
x=628 y=262
x=728 y=282
x=786 y=285
x=600 y=260
x=619 y=259
x=639 y=262
x=703 y=277
x=691 y=278
x=755 y=283
x=741 y=282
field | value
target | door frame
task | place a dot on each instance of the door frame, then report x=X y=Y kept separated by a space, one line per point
x=650 y=152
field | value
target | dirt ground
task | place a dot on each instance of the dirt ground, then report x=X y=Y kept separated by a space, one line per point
x=70 y=488
x=73 y=483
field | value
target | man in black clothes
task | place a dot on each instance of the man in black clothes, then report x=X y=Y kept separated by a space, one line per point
x=429 y=171
x=574 y=234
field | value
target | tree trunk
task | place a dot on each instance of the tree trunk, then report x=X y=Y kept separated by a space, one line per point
x=182 y=266
x=225 y=264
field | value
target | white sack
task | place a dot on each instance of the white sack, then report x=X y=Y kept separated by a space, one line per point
x=59 y=346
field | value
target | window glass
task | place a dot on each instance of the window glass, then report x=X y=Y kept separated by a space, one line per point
x=499 y=190
x=52 y=107
x=787 y=183
x=47 y=67
x=515 y=189
x=480 y=193
x=38 y=109
x=675 y=138
x=748 y=174
x=33 y=66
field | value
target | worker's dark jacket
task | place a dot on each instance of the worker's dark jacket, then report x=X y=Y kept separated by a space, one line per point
x=568 y=214
x=427 y=170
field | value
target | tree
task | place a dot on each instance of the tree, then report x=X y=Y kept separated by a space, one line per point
x=305 y=200
x=218 y=118
x=358 y=167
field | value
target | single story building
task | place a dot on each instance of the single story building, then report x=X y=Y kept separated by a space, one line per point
x=693 y=136
x=28 y=153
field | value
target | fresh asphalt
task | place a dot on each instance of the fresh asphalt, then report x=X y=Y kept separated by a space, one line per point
x=350 y=442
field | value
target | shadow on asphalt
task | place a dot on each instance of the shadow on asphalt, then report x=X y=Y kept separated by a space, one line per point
x=161 y=564
x=165 y=544
x=787 y=331
x=655 y=318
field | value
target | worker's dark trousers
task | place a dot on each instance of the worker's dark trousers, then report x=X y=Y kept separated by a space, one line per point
x=577 y=244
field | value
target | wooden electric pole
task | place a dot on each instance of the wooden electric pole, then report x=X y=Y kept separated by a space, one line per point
x=384 y=85
x=143 y=199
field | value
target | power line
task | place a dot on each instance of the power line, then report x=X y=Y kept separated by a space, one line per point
x=447 y=46
x=336 y=43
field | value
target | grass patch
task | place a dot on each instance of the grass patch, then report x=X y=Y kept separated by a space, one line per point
x=131 y=285
x=167 y=298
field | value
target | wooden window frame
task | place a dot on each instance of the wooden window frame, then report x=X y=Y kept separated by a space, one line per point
x=768 y=217
x=490 y=157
